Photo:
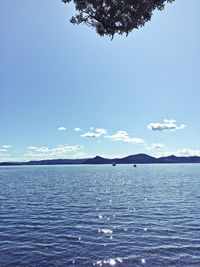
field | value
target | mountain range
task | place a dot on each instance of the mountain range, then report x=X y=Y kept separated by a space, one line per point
x=132 y=159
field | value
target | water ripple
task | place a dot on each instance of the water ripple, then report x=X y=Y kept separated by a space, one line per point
x=100 y=216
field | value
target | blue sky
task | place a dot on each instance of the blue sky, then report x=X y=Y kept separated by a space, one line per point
x=135 y=94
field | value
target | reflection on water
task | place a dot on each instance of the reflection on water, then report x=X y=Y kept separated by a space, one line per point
x=100 y=215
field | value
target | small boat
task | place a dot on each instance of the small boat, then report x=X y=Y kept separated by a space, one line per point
x=113 y=164
x=134 y=165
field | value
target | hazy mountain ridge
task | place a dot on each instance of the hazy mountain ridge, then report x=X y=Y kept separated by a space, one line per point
x=132 y=159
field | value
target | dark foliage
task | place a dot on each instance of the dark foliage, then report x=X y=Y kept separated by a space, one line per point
x=109 y=17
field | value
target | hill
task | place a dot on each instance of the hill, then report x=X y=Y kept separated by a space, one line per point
x=132 y=159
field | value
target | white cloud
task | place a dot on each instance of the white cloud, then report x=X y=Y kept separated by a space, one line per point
x=58 y=149
x=90 y=134
x=158 y=145
x=65 y=149
x=123 y=136
x=188 y=152
x=101 y=131
x=42 y=149
x=185 y=152
x=98 y=133
x=32 y=148
x=167 y=125
x=4 y=157
x=62 y=128
x=51 y=153
x=154 y=146
x=77 y=129
x=40 y=153
x=169 y=121
x=4 y=148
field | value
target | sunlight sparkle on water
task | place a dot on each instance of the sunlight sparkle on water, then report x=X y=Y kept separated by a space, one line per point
x=143 y=261
x=111 y=262
x=63 y=225
x=105 y=231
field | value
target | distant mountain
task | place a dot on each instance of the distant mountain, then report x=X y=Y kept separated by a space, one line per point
x=56 y=161
x=132 y=159
x=46 y=162
x=143 y=159
x=174 y=159
x=138 y=158
x=11 y=163
x=98 y=160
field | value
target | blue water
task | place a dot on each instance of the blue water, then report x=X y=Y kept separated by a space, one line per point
x=100 y=215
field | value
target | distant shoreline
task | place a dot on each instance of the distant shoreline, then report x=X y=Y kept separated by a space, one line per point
x=132 y=159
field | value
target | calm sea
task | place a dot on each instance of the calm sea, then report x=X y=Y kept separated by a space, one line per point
x=100 y=215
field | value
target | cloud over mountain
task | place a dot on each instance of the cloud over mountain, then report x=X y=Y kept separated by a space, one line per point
x=46 y=152
x=123 y=136
x=185 y=152
x=158 y=145
x=154 y=146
